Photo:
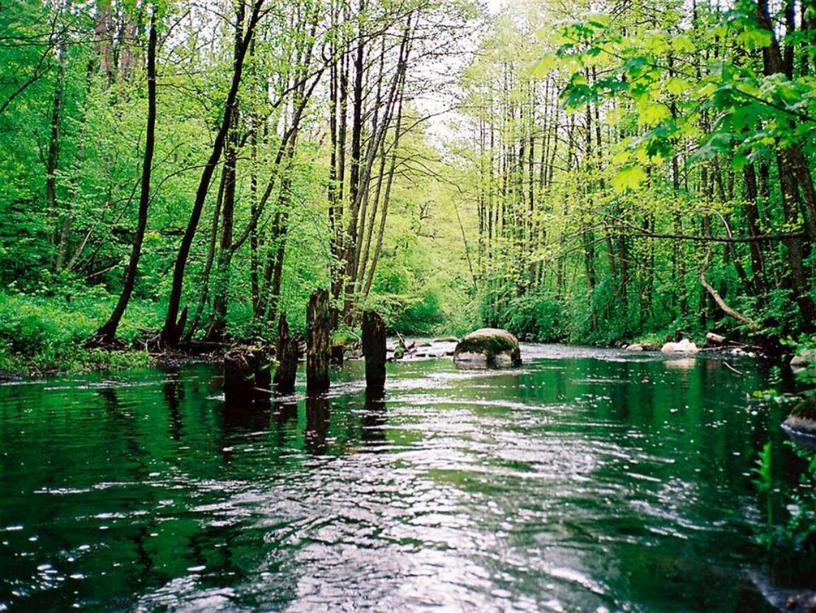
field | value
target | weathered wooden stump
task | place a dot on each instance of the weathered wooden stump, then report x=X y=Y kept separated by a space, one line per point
x=246 y=374
x=338 y=352
x=374 y=351
x=287 y=350
x=318 y=319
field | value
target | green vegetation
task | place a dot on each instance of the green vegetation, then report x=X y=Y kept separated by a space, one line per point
x=790 y=512
x=646 y=170
x=178 y=172
x=41 y=334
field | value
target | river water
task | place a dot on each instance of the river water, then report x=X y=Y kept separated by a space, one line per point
x=586 y=480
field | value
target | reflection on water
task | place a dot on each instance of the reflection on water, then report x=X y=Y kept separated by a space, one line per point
x=584 y=480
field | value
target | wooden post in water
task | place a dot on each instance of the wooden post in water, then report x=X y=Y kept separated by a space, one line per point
x=287 y=350
x=246 y=374
x=374 y=351
x=318 y=319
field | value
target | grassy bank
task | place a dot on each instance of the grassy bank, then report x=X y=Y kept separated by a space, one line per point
x=46 y=334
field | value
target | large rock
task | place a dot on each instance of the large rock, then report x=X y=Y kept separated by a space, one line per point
x=684 y=346
x=488 y=347
x=802 y=419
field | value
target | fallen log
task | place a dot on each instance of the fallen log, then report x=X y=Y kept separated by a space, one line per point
x=750 y=323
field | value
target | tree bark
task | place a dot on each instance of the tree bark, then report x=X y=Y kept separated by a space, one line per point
x=287 y=350
x=374 y=351
x=219 y=318
x=318 y=318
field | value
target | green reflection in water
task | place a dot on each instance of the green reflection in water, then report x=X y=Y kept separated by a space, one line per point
x=578 y=482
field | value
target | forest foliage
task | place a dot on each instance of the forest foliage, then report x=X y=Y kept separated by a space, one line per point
x=176 y=171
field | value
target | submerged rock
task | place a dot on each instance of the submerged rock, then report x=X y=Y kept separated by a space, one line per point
x=784 y=598
x=684 y=346
x=488 y=347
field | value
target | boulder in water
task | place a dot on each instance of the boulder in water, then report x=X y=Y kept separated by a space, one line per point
x=488 y=347
x=684 y=346
x=802 y=419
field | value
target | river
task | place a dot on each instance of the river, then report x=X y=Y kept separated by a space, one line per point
x=587 y=480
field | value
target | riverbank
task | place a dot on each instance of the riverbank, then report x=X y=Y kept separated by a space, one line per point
x=46 y=334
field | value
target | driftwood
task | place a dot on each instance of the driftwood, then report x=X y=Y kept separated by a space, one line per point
x=287 y=350
x=374 y=351
x=752 y=325
x=713 y=338
x=318 y=318
x=403 y=349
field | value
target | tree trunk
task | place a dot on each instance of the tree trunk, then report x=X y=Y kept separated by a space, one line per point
x=52 y=161
x=246 y=375
x=107 y=333
x=374 y=351
x=318 y=318
x=220 y=295
x=172 y=330
x=287 y=350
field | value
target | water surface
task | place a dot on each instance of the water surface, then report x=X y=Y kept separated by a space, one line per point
x=586 y=480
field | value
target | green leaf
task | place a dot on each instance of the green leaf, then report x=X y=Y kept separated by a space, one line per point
x=652 y=114
x=754 y=38
x=628 y=177
x=544 y=66
x=683 y=44
x=677 y=86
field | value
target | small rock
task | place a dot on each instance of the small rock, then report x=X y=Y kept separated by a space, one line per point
x=805 y=602
x=635 y=348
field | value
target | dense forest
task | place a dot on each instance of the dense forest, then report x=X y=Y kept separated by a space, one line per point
x=175 y=172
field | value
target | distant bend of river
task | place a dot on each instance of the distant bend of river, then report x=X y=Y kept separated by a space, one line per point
x=587 y=480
